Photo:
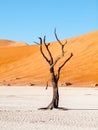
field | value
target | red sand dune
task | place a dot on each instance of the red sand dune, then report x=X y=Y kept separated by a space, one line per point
x=22 y=64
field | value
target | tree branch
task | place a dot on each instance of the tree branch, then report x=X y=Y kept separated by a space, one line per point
x=62 y=45
x=54 y=63
x=41 y=50
x=57 y=37
x=63 y=65
x=36 y=43
x=56 y=60
x=47 y=45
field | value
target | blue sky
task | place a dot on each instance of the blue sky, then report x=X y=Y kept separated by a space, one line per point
x=26 y=20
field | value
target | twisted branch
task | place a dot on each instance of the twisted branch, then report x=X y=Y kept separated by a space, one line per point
x=62 y=45
x=41 y=50
x=47 y=48
x=59 y=69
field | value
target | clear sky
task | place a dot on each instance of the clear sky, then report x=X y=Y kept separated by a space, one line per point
x=25 y=20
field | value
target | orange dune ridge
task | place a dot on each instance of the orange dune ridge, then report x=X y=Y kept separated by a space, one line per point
x=22 y=64
x=9 y=43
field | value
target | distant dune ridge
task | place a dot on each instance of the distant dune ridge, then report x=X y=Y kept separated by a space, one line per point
x=9 y=43
x=22 y=64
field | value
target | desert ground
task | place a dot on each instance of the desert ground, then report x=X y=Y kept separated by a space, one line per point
x=19 y=109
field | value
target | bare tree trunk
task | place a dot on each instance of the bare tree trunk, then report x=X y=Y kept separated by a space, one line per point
x=55 y=99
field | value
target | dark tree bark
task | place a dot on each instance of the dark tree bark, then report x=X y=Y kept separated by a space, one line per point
x=54 y=77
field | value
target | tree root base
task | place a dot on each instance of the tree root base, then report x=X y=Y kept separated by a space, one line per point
x=59 y=108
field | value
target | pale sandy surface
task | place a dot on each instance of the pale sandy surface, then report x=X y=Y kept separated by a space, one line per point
x=19 y=109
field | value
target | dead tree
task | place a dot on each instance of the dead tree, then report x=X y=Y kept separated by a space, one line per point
x=52 y=62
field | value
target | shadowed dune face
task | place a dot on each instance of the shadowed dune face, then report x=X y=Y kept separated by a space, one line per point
x=24 y=65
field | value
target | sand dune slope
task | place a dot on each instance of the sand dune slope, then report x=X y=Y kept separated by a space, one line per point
x=9 y=43
x=24 y=65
